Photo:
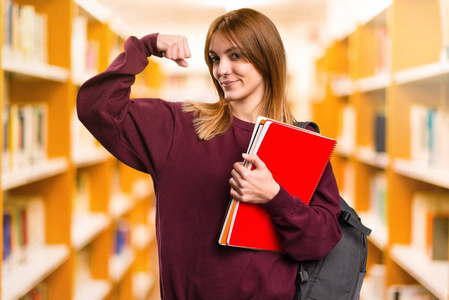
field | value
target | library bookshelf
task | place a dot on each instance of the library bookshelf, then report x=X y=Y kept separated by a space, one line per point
x=76 y=223
x=383 y=93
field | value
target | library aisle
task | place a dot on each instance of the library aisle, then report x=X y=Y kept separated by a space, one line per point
x=77 y=224
x=388 y=81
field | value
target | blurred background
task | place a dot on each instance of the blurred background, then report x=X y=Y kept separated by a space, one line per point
x=306 y=26
x=374 y=74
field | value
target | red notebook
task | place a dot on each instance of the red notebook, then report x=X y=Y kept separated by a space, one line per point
x=297 y=158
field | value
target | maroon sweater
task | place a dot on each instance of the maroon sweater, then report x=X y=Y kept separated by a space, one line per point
x=191 y=180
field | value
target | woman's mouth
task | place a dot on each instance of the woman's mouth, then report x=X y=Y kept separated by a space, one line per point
x=227 y=83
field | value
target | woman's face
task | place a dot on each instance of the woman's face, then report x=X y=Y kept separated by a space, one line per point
x=237 y=77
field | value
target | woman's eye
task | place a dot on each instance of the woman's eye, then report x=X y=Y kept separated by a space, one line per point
x=235 y=56
x=214 y=59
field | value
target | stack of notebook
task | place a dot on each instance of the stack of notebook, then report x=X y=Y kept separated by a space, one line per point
x=296 y=158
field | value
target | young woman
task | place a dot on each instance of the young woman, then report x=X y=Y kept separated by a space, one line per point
x=193 y=151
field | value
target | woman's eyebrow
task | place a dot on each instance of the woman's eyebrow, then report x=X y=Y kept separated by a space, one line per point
x=231 y=49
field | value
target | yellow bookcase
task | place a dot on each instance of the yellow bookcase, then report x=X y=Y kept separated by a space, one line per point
x=1 y=137
x=78 y=222
x=383 y=93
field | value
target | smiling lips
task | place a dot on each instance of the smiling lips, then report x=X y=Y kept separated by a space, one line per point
x=227 y=83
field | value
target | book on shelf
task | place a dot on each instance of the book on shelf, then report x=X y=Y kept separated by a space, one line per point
x=81 y=197
x=346 y=137
x=444 y=9
x=84 y=51
x=382 y=45
x=374 y=284
x=430 y=226
x=121 y=237
x=25 y=32
x=296 y=158
x=39 y=292
x=115 y=187
x=319 y=91
x=115 y=50
x=5 y=125
x=25 y=133
x=83 y=143
x=6 y=139
x=14 y=234
x=438 y=236
x=82 y=267
x=23 y=229
x=348 y=189
x=378 y=196
x=92 y=57
x=79 y=47
x=379 y=130
x=429 y=129
x=341 y=84
x=419 y=221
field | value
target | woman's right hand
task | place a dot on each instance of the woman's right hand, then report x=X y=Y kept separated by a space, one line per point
x=174 y=47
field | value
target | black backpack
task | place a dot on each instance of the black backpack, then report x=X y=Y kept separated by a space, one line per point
x=339 y=275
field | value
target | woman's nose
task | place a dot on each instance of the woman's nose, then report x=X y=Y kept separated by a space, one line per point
x=223 y=67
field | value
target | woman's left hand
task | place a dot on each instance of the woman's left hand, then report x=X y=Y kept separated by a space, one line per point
x=253 y=186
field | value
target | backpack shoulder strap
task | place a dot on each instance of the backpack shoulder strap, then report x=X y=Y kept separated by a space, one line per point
x=304 y=124
x=350 y=219
x=349 y=216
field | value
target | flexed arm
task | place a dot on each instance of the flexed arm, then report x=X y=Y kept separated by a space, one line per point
x=131 y=128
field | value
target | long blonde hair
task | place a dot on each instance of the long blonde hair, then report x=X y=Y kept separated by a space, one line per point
x=257 y=35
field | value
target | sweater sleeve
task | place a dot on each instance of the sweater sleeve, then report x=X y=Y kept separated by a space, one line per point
x=308 y=232
x=139 y=132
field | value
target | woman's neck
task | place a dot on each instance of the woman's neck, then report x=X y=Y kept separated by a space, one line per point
x=244 y=112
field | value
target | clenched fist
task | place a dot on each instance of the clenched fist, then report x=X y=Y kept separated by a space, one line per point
x=174 y=47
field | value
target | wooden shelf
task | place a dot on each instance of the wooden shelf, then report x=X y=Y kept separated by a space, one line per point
x=34 y=173
x=86 y=227
x=344 y=150
x=121 y=28
x=392 y=62
x=120 y=205
x=372 y=158
x=373 y=10
x=422 y=173
x=79 y=79
x=343 y=87
x=119 y=264
x=35 y=70
x=422 y=73
x=96 y=10
x=102 y=14
x=90 y=157
x=373 y=83
x=142 y=188
x=368 y=291
x=433 y=275
x=39 y=264
x=142 y=236
x=142 y=284
x=93 y=289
